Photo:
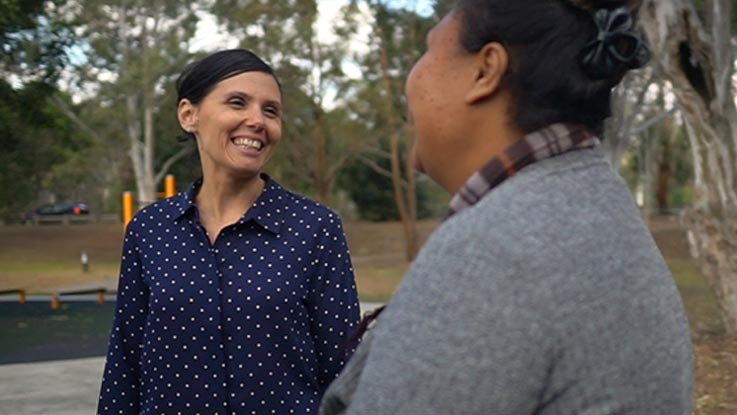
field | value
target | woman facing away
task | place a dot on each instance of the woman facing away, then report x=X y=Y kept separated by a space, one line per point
x=236 y=296
x=542 y=292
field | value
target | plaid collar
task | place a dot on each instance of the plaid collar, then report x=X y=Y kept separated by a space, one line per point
x=538 y=145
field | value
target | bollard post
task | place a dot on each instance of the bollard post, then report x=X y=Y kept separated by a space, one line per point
x=170 y=188
x=84 y=258
x=55 y=301
x=22 y=296
x=101 y=297
x=128 y=203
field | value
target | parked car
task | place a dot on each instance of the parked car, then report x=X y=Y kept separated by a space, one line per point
x=57 y=209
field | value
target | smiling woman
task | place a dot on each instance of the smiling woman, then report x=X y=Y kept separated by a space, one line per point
x=236 y=296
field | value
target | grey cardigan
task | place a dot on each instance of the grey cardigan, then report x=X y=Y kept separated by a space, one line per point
x=548 y=297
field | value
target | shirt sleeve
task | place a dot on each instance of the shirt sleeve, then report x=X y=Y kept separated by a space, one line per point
x=121 y=381
x=333 y=303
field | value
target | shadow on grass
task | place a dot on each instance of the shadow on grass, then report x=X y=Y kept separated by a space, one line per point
x=33 y=332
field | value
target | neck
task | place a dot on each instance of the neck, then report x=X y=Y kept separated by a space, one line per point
x=224 y=199
x=488 y=134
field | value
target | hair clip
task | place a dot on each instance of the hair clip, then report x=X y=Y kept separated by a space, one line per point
x=615 y=44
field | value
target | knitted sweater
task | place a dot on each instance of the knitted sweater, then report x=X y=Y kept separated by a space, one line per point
x=547 y=297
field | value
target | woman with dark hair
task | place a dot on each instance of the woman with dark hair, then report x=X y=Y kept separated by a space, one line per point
x=542 y=292
x=236 y=296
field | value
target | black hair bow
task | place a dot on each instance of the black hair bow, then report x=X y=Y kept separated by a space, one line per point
x=615 y=45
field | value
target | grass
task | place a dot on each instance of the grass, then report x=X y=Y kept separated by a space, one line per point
x=46 y=258
x=698 y=299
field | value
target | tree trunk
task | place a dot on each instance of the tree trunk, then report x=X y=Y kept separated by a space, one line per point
x=409 y=222
x=699 y=65
x=664 y=161
x=321 y=179
x=320 y=172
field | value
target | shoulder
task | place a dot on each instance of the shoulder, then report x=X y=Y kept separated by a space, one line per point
x=155 y=215
x=557 y=229
x=300 y=208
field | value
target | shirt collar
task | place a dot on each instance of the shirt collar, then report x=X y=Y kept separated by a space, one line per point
x=547 y=142
x=264 y=210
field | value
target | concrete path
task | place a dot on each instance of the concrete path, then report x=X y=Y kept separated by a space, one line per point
x=62 y=387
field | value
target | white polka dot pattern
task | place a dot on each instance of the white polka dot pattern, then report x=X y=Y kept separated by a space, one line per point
x=256 y=323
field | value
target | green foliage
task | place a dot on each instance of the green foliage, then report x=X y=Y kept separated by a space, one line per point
x=373 y=194
x=36 y=140
x=34 y=39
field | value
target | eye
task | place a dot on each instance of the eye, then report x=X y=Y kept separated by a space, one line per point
x=237 y=102
x=272 y=111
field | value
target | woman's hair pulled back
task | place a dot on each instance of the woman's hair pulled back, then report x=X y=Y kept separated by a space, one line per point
x=546 y=40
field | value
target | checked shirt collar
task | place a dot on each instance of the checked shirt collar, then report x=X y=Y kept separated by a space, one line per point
x=544 y=143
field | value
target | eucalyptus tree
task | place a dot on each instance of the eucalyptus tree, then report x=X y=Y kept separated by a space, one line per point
x=694 y=48
x=396 y=40
x=34 y=40
x=133 y=50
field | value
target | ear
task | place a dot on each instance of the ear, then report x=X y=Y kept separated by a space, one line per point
x=187 y=115
x=491 y=63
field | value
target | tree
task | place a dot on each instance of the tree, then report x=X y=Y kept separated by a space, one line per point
x=135 y=48
x=36 y=140
x=33 y=39
x=396 y=41
x=697 y=57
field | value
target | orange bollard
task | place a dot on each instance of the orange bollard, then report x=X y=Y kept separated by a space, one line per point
x=170 y=186
x=101 y=297
x=22 y=296
x=55 y=301
x=128 y=203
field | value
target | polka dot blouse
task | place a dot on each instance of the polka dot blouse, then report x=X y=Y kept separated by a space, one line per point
x=254 y=324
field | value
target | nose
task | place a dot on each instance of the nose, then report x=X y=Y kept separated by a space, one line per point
x=254 y=119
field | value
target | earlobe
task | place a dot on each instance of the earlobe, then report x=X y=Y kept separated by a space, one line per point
x=491 y=64
x=187 y=115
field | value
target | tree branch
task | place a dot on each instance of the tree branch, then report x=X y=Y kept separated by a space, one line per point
x=63 y=107
x=170 y=162
x=378 y=169
x=653 y=120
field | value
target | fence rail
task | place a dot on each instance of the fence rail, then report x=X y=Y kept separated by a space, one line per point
x=66 y=219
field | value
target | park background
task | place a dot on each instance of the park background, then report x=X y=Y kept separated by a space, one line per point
x=87 y=110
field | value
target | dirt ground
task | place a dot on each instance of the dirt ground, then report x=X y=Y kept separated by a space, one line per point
x=46 y=258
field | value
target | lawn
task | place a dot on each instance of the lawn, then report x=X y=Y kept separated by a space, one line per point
x=45 y=259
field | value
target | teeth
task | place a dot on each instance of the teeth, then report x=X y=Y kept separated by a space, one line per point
x=247 y=142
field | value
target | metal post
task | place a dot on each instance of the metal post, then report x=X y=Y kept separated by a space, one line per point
x=128 y=204
x=170 y=186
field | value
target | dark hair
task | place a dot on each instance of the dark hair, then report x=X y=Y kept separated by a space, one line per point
x=200 y=77
x=545 y=40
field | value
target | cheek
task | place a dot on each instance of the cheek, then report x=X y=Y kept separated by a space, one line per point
x=275 y=131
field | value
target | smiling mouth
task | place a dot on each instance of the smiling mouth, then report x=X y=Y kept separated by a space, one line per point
x=248 y=143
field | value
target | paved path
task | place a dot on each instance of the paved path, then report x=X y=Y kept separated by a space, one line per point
x=65 y=387
x=62 y=387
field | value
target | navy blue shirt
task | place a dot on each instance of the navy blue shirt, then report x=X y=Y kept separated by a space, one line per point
x=255 y=323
